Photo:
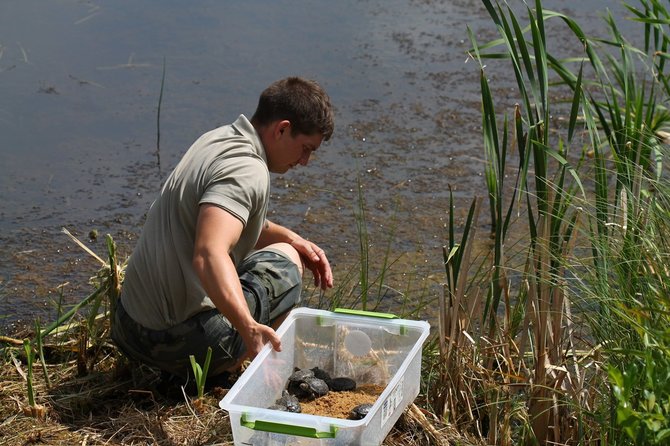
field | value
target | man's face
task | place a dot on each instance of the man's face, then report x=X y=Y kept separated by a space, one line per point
x=288 y=151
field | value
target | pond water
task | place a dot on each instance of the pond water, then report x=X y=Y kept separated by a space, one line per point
x=82 y=148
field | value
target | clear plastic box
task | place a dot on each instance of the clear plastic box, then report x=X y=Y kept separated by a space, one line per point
x=371 y=348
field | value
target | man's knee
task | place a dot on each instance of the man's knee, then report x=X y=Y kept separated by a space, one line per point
x=271 y=281
x=290 y=252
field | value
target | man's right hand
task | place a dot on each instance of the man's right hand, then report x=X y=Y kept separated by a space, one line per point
x=256 y=336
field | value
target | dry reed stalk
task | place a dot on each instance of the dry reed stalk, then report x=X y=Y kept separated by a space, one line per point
x=493 y=419
x=435 y=437
x=508 y=342
x=539 y=295
x=529 y=311
x=11 y=341
x=455 y=316
x=548 y=305
x=443 y=321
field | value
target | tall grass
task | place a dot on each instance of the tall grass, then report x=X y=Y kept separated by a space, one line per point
x=528 y=367
x=365 y=285
x=634 y=334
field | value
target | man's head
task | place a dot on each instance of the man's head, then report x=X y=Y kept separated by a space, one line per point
x=293 y=117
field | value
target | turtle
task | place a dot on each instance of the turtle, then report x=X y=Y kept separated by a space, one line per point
x=303 y=384
x=321 y=374
x=287 y=403
x=297 y=377
x=337 y=384
x=300 y=374
x=341 y=383
x=359 y=412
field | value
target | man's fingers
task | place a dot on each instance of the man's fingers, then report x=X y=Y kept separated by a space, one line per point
x=314 y=255
x=323 y=276
x=274 y=339
x=319 y=254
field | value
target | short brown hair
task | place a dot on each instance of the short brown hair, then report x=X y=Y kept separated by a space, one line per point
x=301 y=101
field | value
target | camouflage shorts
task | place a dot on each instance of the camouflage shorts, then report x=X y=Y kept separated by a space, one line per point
x=271 y=285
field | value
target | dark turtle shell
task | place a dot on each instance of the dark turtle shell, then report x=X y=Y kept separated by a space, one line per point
x=301 y=375
x=359 y=412
x=296 y=380
x=341 y=383
x=303 y=384
x=313 y=388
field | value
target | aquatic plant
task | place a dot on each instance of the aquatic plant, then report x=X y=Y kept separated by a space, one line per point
x=518 y=373
x=364 y=285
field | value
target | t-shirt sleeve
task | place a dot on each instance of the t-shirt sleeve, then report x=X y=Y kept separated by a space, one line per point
x=237 y=184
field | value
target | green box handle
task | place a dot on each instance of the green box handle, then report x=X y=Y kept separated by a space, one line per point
x=365 y=313
x=287 y=429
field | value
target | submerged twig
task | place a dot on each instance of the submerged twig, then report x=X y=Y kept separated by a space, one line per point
x=95 y=10
x=158 y=120
x=129 y=64
x=23 y=52
x=84 y=247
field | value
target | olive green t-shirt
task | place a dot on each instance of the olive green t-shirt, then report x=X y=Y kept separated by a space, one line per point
x=225 y=167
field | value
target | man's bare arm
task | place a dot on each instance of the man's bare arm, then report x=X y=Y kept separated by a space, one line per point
x=312 y=255
x=217 y=232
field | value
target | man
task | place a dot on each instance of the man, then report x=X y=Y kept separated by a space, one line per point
x=209 y=269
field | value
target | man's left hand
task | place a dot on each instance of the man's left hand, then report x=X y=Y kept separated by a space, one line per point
x=315 y=259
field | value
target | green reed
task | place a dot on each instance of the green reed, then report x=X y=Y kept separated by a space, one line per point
x=364 y=284
x=544 y=188
x=364 y=245
x=40 y=349
x=30 y=359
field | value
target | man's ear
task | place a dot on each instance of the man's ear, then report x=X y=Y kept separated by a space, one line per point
x=281 y=127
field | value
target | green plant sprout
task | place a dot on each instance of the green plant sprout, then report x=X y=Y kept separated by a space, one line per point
x=40 y=348
x=201 y=373
x=30 y=357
